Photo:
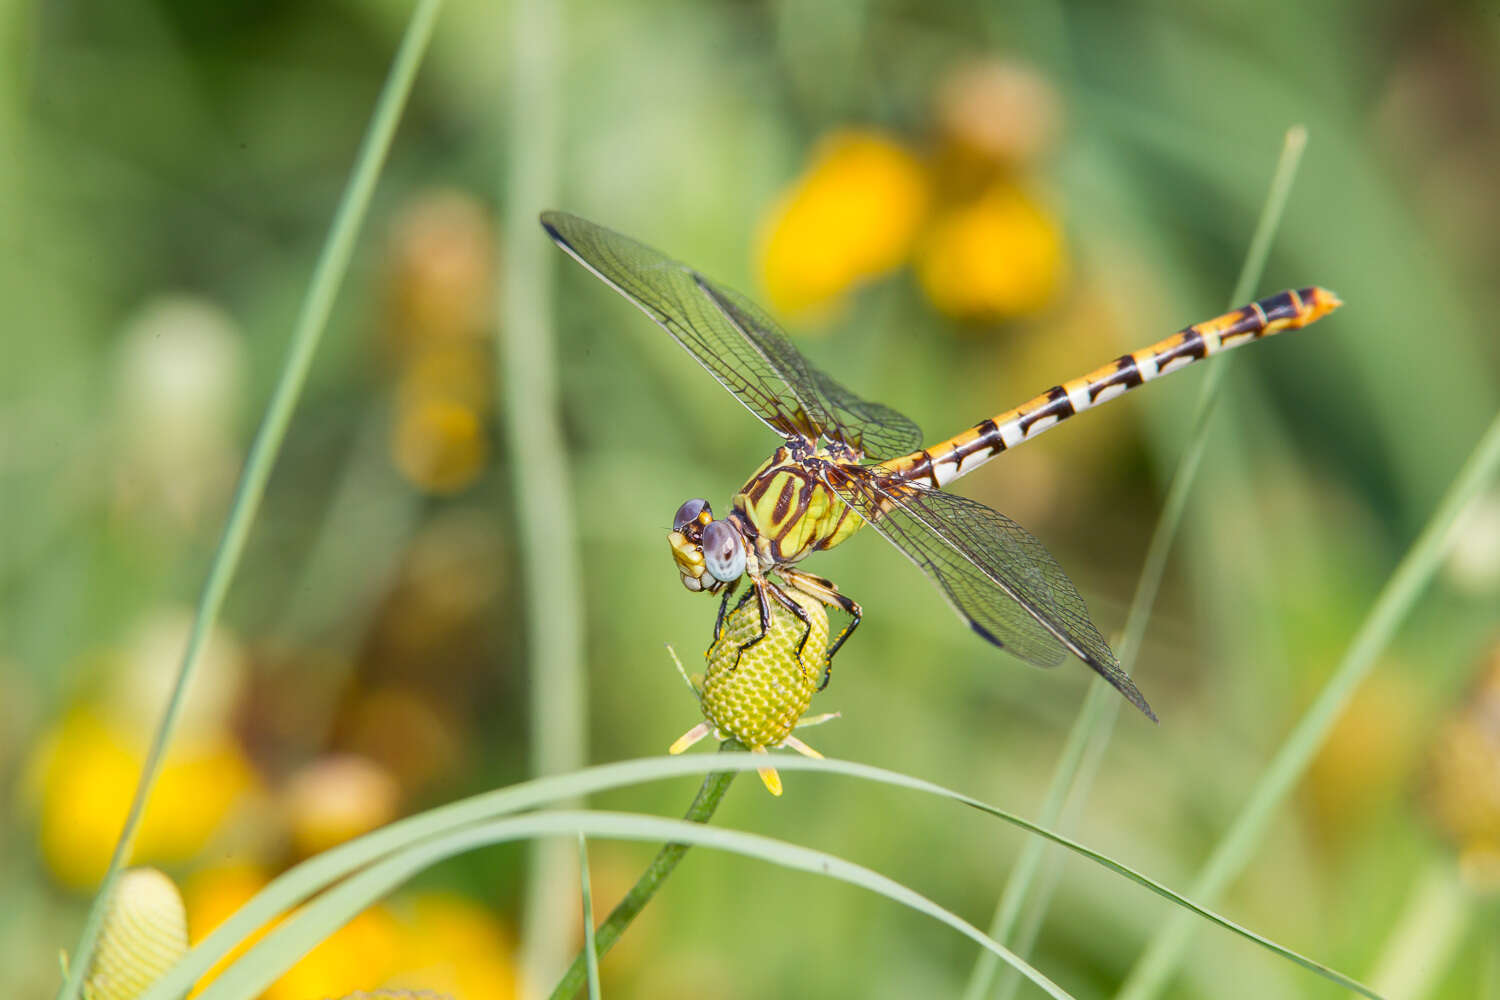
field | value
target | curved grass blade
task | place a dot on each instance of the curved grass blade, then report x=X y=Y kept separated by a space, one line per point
x=266 y=962
x=1084 y=749
x=333 y=263
x=317 y=873
x=1405 y=585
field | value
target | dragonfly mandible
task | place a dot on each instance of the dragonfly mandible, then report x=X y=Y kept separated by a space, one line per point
x=846 y=462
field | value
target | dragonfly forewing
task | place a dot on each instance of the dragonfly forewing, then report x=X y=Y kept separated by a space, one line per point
x=736 y=341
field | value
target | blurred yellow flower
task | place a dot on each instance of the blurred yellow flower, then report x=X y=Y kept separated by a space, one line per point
x=1463 y=779
x=852 y=215
x=144 y=934
x=406 y=732
x=432 y=942
x=359 y=955
x=454 y=945
x=362 y=954
x=87 y=771
x=1367 y=756
x=212 y=896
x=442 y=270
x=458 y=372
x=439 y=444
x=999 y=111
x=337 y=798
x=995 y=257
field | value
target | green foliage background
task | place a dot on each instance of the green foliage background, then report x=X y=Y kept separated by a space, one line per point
x=156 y=148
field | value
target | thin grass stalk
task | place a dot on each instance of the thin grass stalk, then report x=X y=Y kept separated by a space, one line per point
x=1089 y=736
x=588 y=916
x=1153 y=970
x=539 y=473
x=702 y=809
x=328 y=275
x=1421 y=945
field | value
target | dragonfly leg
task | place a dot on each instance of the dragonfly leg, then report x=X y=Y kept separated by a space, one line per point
x=825 y=591
x=796 y=609
x=724 y=605
x=764 y=589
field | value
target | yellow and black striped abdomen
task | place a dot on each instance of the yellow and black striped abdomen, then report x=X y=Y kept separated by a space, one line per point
x=792 y=510
x=963 y=453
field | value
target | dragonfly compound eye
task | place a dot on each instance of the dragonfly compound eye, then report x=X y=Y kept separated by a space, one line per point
x=691 y=512
x=723 y=552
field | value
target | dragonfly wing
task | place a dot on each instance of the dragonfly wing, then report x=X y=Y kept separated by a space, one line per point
x=994 y=572
x=670 y=294
x=736 y=341
x=872 y=429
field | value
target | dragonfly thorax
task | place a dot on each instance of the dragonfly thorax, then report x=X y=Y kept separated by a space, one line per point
x=788 y=510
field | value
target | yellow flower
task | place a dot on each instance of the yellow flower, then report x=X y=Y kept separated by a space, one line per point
x=441 y=271
x=1463 y=778
x=432 y=943
x=213 y=895
x=459 y=372
x=996 y=257
x=851 y=216
x=144 y=935
x=999 y=112
x=1369 y=750
x=87 y=772
x=362 y=954
x=453 y=945
x=337 y=798
x=439 y=444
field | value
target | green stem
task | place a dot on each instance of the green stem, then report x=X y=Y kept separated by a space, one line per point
x=1421 y=945
x=1084 y=749
x=1396 y=599
x=586 y=887
x=527 y=373
x=333 y=263
x=705 y=803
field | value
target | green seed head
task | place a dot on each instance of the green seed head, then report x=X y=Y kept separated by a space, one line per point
x=145 y=933
x=757 y=694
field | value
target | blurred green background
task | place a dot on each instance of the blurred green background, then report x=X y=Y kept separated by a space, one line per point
x=954 y=206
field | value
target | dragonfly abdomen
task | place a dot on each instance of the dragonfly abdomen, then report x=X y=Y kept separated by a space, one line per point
x=961 y=454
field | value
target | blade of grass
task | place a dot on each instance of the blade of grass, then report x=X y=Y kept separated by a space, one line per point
x=1084 y=749
x=317 y=873
x=280 y=949
x=588 y=916
x=1404 y=586
x=333 y=263
x=543 y=495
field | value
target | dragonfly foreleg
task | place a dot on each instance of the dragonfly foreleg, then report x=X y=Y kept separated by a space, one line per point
x=765 y=590
x=724 y=605
x=796 y=609
x=825 y=591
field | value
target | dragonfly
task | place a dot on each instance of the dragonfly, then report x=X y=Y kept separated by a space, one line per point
x=845 y=463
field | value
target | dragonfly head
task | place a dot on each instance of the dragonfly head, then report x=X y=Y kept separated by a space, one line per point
x=709 y=553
